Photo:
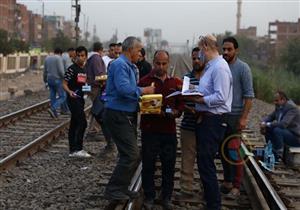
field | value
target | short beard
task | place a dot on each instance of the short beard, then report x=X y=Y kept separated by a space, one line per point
x=229 y=59
x=198 y=67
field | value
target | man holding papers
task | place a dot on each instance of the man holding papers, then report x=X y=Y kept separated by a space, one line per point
x=216 y=87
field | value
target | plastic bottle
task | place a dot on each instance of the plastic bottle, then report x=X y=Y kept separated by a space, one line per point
x=268 y=151
x=271 y=162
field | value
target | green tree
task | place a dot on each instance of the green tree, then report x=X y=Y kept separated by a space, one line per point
x=61 y=41
x=18 y=45
x=290 y=56
x=5 y=47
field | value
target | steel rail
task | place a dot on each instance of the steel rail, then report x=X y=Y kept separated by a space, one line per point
x=12 y=117
x=35 y=145
x=270 y=194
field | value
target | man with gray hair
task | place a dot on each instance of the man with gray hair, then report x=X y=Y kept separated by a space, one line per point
x=122 y=95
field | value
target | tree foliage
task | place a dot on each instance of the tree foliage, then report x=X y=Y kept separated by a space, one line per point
x=61 y=41
x=290 y=56
x=10 y=45
x=5 y=48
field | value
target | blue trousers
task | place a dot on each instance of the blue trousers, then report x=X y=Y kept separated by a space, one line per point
x=55 y=87
x=209 y=134
x=279 y=137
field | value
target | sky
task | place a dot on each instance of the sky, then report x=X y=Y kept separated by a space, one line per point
x=180 y=20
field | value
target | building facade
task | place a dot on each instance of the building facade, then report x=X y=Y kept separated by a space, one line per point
x=281 y=32
x=7 y=11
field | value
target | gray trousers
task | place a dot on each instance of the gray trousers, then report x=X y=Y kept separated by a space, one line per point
x=122 y=126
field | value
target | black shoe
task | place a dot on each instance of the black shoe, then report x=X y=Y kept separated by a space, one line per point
x=225 y=189
x=117 y=195
x=167 y=204
x=148 y=204
x=132 y=194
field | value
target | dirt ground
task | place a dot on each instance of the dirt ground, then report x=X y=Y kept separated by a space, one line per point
x=31 y=80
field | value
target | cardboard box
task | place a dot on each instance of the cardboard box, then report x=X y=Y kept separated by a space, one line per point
x=151 y=104
x=101 y=78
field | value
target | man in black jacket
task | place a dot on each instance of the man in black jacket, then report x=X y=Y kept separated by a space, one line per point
x=143 y=65
x=283 y=125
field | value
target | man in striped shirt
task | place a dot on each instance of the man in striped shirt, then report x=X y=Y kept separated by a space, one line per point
x=188 y=138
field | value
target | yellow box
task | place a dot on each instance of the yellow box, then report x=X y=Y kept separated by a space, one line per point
x=101 y=77
x=151 y=104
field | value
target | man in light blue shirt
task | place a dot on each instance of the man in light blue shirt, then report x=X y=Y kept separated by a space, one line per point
x=216 y=86
x=120 y=115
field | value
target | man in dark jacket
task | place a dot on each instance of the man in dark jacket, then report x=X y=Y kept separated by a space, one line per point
x=283 y=125
x=143 y=65
x=95 y=67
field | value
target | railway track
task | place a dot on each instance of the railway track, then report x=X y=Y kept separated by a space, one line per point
x=284 y=180
x=26 y=131
x=260 y=190
x=251 y=195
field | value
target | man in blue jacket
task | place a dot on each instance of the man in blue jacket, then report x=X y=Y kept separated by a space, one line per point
x=122 y=95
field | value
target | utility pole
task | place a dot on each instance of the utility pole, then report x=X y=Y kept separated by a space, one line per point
x=77 y=14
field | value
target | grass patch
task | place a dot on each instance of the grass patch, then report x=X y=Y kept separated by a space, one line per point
x=267 y=81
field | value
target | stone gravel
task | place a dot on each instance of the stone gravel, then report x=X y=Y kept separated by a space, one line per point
x=52 y=180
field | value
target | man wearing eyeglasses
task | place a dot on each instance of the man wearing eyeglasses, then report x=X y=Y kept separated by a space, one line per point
x=216 y=87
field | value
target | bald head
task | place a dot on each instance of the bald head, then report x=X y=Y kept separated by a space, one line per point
x=208 y=41
x=161 y=62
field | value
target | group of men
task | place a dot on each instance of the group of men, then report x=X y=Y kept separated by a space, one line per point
x=203 y=128
x=211 y=123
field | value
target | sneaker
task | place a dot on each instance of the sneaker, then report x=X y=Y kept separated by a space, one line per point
x=233 y=194
x=80 y=153
x=52 y=113
x=132 y=194
x=148 y=204
x=117 y=195
x=65 y=113
x=225 y=188
x=72 y=154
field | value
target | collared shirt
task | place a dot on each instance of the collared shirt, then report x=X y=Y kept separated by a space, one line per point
x=216 y=86
x=94 y=67
x=242 y=85
x=122 y=92
x=155 y=122
x=189 y=119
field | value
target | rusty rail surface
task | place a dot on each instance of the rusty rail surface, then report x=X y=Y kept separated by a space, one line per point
x=38 y=143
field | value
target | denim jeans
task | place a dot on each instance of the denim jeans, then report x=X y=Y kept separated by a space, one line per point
x=122 y=126
x=209 y=134
x=279 y=137
x=55 y=87
x=164 y=146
